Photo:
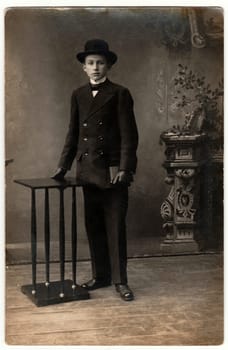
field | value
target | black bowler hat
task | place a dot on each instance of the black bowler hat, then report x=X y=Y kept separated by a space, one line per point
x=97 y=47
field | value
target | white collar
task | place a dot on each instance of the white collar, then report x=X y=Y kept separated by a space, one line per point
x=98 y=81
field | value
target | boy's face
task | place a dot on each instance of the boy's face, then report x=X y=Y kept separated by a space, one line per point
x=96 y=66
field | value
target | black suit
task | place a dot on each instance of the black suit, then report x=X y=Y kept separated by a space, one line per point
x=103 y=133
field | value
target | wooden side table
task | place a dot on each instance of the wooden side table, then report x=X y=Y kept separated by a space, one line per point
x=53 y=292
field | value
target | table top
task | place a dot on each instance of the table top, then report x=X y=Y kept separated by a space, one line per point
x=47 y=182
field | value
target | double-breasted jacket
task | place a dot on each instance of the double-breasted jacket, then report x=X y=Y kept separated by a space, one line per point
x=102 y=133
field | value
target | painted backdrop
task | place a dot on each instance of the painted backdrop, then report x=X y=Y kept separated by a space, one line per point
x=42 y=71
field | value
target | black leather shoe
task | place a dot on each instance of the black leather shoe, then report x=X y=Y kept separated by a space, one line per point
x=95 y=284
x=125 y=292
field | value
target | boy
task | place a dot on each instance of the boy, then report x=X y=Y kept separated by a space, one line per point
x=103 y=136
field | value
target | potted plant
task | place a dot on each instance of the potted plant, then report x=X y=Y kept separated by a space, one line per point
x=201 y=105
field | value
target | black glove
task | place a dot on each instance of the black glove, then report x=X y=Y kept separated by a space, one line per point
x=59 y=174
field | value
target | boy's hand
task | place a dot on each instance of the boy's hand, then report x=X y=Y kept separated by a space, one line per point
x=122 y=176
x=59 y=174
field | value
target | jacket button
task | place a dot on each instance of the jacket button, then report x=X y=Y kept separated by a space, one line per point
x=86 y=153
x=85 y=124
x=85 y=139
x=100 y=122
x=101 y=153
x=100 y=138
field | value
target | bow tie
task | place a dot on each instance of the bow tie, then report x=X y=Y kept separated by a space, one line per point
x=96 y=87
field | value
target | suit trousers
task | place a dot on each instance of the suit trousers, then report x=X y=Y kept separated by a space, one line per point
x=105 y=221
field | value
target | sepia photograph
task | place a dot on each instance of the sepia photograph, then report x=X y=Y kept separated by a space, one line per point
x=114 y=143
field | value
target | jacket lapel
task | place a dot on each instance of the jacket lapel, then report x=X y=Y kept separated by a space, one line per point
x=85 y=100
x=101 y=98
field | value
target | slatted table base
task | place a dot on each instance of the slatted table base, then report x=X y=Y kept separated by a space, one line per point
x=48 y=293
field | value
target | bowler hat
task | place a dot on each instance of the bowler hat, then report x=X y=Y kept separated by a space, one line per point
x=97 y=47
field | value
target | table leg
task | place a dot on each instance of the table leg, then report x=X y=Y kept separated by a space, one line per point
x=47 y=236
x=33 y=240
x=74 y=236
x=61 y=240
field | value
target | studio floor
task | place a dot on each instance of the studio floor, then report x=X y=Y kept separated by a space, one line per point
x=178 y=301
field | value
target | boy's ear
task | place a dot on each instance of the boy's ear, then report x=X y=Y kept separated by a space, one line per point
x=84 y=67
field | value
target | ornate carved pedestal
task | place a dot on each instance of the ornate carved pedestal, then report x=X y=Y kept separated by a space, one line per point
x=180 y=210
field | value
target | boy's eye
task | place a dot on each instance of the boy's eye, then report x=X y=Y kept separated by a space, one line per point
x=98 y=62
